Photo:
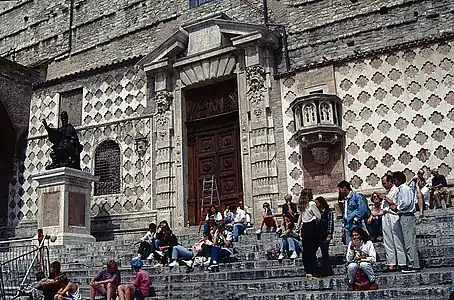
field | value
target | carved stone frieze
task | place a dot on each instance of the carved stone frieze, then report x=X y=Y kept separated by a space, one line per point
x=163 y=101
x=255 y=76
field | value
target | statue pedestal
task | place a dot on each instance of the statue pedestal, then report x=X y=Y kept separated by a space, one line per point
x=64 y=207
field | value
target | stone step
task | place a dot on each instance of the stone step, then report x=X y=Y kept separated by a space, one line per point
x=424 y=292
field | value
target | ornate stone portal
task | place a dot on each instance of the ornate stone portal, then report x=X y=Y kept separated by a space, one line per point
x=207 y=51
x=64 y=205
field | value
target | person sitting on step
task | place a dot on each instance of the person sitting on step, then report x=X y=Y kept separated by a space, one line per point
x=158 y=254
x=421 y=193
x=213 y=216
x=361 y=255
x=239 y=221
x=289 y=244
x=222 y=246
x=269 y=219
x=438 y=189
x=140 y=288
x=201 y=249
x=106 y=281
x=147 y=243
x=290 y=208
x=50 y=287
x=167 y=240
x=68 y=290
x=374 y=222
x=228 y=215
x=180 y=253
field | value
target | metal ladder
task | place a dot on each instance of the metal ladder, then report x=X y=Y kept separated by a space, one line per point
x=209 y=193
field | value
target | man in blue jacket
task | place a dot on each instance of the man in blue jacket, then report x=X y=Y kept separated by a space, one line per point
x=355 y=208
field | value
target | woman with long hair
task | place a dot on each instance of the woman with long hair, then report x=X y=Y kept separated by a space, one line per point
x=325 y=234
x=309 y=216
x=360 y=255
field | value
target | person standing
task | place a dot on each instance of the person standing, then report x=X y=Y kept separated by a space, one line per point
x=309 y=216
x=392 y=232
x=355 y=208
x=406 y=208
x=325 y=232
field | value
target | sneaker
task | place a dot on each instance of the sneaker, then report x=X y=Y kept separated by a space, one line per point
x=188 y=263
x=281 y=256
x=138 y=257
x=158 y=265
x=174 y=264
x=259 y=231
x=279 y=230
x=409 y=270
x=350 y=287
x=294 y=255
x=373 y=286
x=160 y=253
x=150 y=257
x=207 y=262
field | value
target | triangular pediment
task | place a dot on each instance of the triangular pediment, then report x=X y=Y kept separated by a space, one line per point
x=201 y=37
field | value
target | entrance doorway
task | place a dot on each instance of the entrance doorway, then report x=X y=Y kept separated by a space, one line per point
x=213 y=145
x=7 y=139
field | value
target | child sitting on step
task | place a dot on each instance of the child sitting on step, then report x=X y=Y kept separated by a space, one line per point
x=360 y=257
x=140 y=288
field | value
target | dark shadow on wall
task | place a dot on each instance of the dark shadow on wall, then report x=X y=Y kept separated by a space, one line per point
x=102 y=226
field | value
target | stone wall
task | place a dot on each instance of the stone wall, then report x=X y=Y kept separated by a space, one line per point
x=114 y=107
x=15 y=96
x=104 y=31
x=398 y=112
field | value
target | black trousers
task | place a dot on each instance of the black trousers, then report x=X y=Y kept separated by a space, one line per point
x=310 y=242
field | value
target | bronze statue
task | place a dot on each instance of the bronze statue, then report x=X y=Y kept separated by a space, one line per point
x=66 y=147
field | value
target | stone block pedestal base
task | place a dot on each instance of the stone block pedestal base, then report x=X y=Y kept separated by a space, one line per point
x=64 y=205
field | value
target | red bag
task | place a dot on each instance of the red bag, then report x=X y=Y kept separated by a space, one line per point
x=361 y=281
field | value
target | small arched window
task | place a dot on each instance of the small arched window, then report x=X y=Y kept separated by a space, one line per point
x=326 y=112
x=107 y=168
x=309 y=114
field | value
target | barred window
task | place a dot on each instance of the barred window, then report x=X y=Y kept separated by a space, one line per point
x=107 y=167
x=195 y=3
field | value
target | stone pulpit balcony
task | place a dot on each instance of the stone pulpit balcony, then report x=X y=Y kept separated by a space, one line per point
x=317 y=119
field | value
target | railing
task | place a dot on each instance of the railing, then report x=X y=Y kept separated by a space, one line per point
x=20 y=260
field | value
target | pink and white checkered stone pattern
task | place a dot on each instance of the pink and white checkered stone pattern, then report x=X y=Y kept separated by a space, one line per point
x=398 y=112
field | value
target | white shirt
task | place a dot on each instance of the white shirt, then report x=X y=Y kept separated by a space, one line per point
x=391 y=195
x=365 y=249
x=239 y=215
x=148 y=237
x=425 y=193
x=217 y=217
x=311 y=213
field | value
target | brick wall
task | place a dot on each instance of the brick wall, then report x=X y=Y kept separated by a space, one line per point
x=106 y=31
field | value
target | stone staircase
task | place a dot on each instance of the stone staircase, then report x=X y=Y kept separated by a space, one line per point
x=255 y=278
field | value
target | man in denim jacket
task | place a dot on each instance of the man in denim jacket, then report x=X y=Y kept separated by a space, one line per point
x=355 y=208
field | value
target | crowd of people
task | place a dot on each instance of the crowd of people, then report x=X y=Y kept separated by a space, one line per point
x=307 y=225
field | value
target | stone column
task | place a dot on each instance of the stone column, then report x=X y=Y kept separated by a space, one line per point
x=64 y=205
x=164 y=175
x=262 y=145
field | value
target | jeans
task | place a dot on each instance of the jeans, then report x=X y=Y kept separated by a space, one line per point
x=365 y=266
x=408 y=225
x=375 y=228
x=145 y=249
x=326 y=262
x=217 y=253
x=288 y=244
x=180 y=252
x=237 y=228
x=206 y=226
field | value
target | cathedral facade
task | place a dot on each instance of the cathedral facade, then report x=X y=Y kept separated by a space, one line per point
x=267 y=100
